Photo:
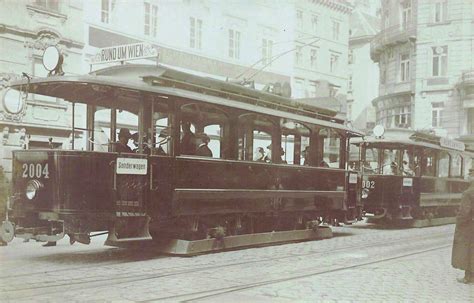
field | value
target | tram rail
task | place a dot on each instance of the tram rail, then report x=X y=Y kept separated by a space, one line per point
x=45 y=287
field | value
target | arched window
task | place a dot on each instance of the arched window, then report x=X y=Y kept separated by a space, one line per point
x=202 y=130
x=255 y=137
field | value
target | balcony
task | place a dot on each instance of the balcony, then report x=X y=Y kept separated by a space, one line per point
x=389 y=37
x=466 y=87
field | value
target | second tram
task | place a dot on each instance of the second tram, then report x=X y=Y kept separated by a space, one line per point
x=412 y=175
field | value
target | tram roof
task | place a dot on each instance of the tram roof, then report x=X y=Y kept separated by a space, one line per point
x=129 y=82
x=398 y=143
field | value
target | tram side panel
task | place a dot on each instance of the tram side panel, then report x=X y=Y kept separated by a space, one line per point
x=236 y=187
x=390 y=196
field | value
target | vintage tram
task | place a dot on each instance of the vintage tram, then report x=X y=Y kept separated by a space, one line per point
x=165 y=190
x=412 y=177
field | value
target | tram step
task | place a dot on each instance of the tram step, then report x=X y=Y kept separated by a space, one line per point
x=125 y=242
x=180 y=247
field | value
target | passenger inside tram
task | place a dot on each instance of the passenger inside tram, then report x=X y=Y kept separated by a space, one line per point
x=203 y=149
x=259 y=155
x=122 y=145
x=307 y=159
x=164 y=137
x=188 y=140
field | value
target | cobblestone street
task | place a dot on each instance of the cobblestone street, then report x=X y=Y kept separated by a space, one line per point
x=361 y=263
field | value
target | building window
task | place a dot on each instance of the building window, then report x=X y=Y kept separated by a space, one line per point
x=151 y=19
x=234 y=44
x=402 y=118
x=349 y=84
x=349 y=111
x=299 y=88
x=440 y=60
x=313 y=88
x=106 y=9
x=351 y=57
x=52 y=5
x=406 y=14
x=404 y=68
x=298 y=55
x=313 y=58
x=440 y=11
x=335 y=30
x=436 y=114
x=299 y=19
x=195 y=33
x=333 y=63
x=267 y=46
x=314 y=23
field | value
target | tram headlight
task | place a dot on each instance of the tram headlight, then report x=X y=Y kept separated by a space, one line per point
x=365 y=193
x=32 y=188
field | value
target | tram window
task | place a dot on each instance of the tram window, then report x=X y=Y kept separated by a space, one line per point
x=213 y=132
x=254 y=133
x=101 y=133
x=443 y=164
x=428 y=163
x=305 y=157
x=162 y=135
x=389 y=162
x=408 y=163
x=202 y=123
x=371 y=163
x=263 y=140
x=456 y=165
x=331 y=148
x=353 y=163
x=128 y=120
x=80 y=125
x=294 y=140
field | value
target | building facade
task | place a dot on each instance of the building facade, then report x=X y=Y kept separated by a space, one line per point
x=424 y=53
x=321 y=35
x=210 y=38
x=27 y=28
x=363 y=72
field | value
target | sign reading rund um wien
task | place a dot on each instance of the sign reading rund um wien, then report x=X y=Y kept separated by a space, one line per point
x=124 y=53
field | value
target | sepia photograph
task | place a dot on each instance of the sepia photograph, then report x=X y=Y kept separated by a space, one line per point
x=236 y=151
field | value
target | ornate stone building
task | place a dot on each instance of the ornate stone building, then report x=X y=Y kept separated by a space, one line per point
x=27 y=28
x=425 y=56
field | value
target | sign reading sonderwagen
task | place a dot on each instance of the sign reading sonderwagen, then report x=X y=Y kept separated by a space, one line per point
x=125 y=53
x=131 y=166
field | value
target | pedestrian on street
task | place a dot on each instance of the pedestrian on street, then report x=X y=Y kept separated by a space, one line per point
x=463 y=244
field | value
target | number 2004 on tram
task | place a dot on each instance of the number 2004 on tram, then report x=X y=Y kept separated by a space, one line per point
x=168 y=188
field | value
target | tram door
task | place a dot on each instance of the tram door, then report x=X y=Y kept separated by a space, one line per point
x=131 y=170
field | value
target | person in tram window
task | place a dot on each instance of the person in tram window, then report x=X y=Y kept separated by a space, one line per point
x=188 y=141
x=204 y=150
x=146 y=149
x=463 y=243
x=306 y=156
x=406 y=170
x=259 y=155
x=122 y=145
x=268 y=154
x=323 y=163
x=282 y=155
x=164 y=138
x=390 y=169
